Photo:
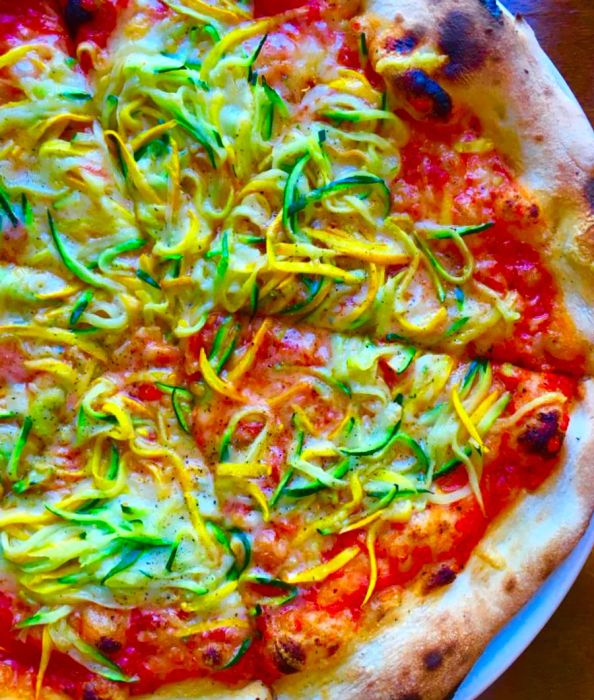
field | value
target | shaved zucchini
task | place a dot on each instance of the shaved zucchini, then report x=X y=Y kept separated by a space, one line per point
x=287 y=476
x=415 y=448
x=451 y=231
x=277 y=103
x=129 y=559
x=172 y=555
x=223 y=345
x=76 y=95
x=357 y=115
x=292 y=591
x=114 y=462
x=180 y=412
x=45 y=617
x=451 y=464
x=290 y=194
x=476 y=367
x=254 y=58
x=245 y=645
x=457 y=326
x=254 y=299
x=109 y=254
x=345 y=183
x=241 y=563
x=340 y=470
x=15 y=456
x=147 y=279
x=198 y=132
x=27 y=210
x=314 y=287
x=367 y=450
x=6 y=206
x=74 y=266
x=80 y=306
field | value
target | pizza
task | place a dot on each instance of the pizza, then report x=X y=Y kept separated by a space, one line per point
x=296 y=334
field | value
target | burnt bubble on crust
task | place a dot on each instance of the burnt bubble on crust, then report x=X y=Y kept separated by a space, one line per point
x=543 y=436
x=288 y=655
x=76 y=15
x=433 y=660
x=462 y=43
x=493 y=8
x=418 y=85
x=90 y=694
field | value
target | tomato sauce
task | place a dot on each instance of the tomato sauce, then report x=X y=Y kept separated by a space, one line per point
x=66 y=23
x=89 y=20
x=475 y=188
x=28 y=23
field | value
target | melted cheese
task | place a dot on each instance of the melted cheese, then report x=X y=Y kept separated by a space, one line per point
x=194 y=174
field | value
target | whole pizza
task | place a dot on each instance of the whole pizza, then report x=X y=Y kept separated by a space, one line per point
x=296 y=325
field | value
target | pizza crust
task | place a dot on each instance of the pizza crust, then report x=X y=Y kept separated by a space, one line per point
x=496 y=66
x=425 y=647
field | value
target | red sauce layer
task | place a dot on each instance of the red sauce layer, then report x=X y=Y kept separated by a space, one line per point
x=22 y=24
x=475 y=188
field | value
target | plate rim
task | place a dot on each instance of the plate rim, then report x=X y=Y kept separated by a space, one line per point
x=518 y=633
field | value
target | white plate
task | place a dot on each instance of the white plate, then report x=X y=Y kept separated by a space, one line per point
x=521 y=630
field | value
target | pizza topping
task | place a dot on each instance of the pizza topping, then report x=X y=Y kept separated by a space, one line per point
x=322 y=170
x=228 y=427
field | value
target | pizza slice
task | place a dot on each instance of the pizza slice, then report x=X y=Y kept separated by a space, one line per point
x=320 y=193
x=336 y=479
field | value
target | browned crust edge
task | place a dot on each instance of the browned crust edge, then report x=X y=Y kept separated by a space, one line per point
x=424 y=648
x=498 y=69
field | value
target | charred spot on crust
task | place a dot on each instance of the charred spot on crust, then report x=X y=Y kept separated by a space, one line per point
x=493 y=9
x=544 y=436
x=510 y=585
x=459 y=39
x=108 y=645
x=433 y=660
x=442 y=577
x=404 y=44
x=409 y=696
x=75 y=15
x=426 y=93
x=288 y=655
x=589 y=190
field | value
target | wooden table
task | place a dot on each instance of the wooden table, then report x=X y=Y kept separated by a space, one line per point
x=559 y=665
